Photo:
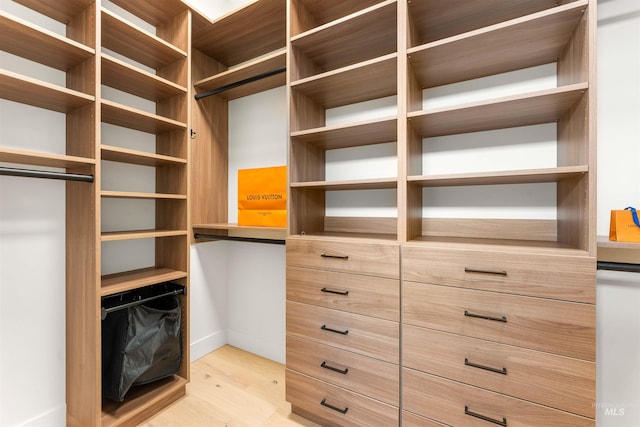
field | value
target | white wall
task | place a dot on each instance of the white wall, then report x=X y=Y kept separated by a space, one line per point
x=225 y=292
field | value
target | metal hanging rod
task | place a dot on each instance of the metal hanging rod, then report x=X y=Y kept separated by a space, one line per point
x=29 y=173
x=241 y=82
x=239 y=239
x=105 y=311
x=618 y=266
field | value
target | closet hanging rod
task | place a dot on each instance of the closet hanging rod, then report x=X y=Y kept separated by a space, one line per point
x=106 y=311
x=241 y=82
x=29 y=173
x=239 y=239
x=618 y=266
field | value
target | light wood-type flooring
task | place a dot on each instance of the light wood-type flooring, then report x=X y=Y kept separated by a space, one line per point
x=232 y=388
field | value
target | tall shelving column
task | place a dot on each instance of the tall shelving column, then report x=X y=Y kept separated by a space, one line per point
x=226 y=60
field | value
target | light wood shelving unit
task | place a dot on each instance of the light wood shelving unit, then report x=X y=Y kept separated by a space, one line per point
x=224 y=53
x=153 y=66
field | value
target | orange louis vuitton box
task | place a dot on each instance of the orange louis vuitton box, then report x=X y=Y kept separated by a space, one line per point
x=624 y=226
x=262 y=197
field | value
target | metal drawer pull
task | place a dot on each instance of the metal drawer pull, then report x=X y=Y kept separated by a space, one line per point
x=331 y=368
x=324 y=328
x=329 y=291
x=342 y=411
x=502 y=371
x=482 y=316
x=473 y=270
x=335 y=256
x=482 y=417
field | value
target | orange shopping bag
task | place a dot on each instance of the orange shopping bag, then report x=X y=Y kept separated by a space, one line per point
x=262 y=197
x=624 y=226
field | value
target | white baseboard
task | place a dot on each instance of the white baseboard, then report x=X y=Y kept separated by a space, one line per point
x=256 y=345
x=207 y=344
x=52 y=418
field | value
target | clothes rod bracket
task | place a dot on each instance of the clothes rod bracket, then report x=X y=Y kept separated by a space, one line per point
x=241 y=83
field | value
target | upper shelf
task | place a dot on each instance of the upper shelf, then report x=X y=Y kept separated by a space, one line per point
x=37 y=158
x=351 y=135
x=366 y=81
x=520 y=43
x=270 y=62
x=125 y=155
x=25 y=90
x=363 y=35
x=152 y=11
x=60 y=10
x=356 y=184
x=432 y=20
x=121 y=115
x=246 y=33
x=37 y=44
x=137 y=44
x=311 y=13
x=120 y=75
x=539 y=107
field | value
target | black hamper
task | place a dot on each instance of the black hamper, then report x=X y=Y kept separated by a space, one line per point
x=141 y=340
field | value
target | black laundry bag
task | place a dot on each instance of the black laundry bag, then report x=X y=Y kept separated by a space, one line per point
x=140 y=344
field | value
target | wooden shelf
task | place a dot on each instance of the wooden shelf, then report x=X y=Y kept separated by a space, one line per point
x=605 y=243
x=60 y=10
x=121 y=115
x=37 y=158
x=242 y=231
x=131 y=195
x=373 y=79
x=120 y=282
x=326 y=11
x=434 y=20
x=346 y=236
x=26 y=90
x=249 y=69
x=122 y=76
x=519 y=110
x=228 y=40
x=501 y=177
x=359 y=184
x=143 y=402
x=154 y=12
x=520 y=43
x=125 y=155
x=140 y=234
x=137 y=44
x=361 y=36
x=511 y=245
x=37 y=44
x=350 y=135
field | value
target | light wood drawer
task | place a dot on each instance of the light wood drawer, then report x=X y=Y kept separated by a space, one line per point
x=371 y=258
x=560 y=327
x=361 y=334
x=336 y=406
x=372 y=296
x=561 y=382
x=365 y=375
x=413 y=420
x=458 y=404
x=569 y=278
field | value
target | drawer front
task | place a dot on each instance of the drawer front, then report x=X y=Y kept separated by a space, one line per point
x=365 y=375
x=558 y=327
x=337 y=406
x=375 y=259
x=413 y=420
x=457 y=404
x=371 y=296
x=369 y=336
x=567 y=278
x=561 y=382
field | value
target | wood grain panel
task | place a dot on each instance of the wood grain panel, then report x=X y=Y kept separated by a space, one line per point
x=363 y=335
x=310 y=13
x=557 y=327
x=307 y=394
x=371 y=296
x=364 y=375
x=560 y=382
x=445 y=401
x=375 y=259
